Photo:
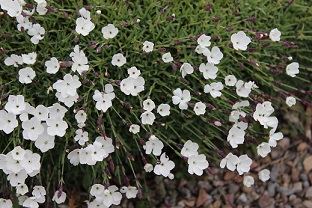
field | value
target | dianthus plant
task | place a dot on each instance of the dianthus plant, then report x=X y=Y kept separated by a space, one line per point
x=110 y=92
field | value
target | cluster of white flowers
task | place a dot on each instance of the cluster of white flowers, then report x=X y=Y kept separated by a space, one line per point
x=18 y=164
x=67 y=89
x=104 y=99
x=134 y=83
x=80 y=60
x=197 y=162
x=41 y=124
x=105 y=196
x=84 y=25
x=92 y=153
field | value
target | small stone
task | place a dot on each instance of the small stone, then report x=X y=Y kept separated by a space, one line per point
x=307 y=164
x=274 y=172
x=302 y=147
x=254 y=195
x=247 y=189
x=217 y=204
x=297 y=187
x=265 y=200
x=292 y=197
x=304 y=177
x=284 y=143
x=233 y=188
x=308 y=193
x=276 y=153
x=295 y=174
x=227 y=206
x=242 y=198
x=218 y=183
x=229 y=175
x=307 y=203
x=272 y=189
x=306 y=184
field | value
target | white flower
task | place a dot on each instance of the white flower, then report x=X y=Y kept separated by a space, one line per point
x=41 y=112
x=41 y=9
x=118 y=60
x=111 y=196
x=8 y=122
x=73 y=157
x=275 y=137
x=200 y=50
x=109 y=31
x=214 y=89
x=230 y=80
x=275 y=35
x=37 y=32
x=30 y=202
x=197 y=163
x=148 y=46
x=134 y=128
x=147 y=118
x=14 y=60
x=15 y=104
x=56 y=110
x=52 y=66
x=209 y=70
x=39 y=191
x=200 y=108
x=181 y=97
x=243 y=166
x=17 y=178
x=59 y=197
x=23 y=22
x=230 y=161
x=236 y=136
x=56 y=127
x=134 y=72
x=163 y=109
x=84 y=26
x=85 y=13
x=29 y=58
x=81 y=116
x=290 y=101
x=26 y=75
x=264 y=175
x=186 y=68
x=107 y=144
x=80 y=60
x=204 y=41
x=131 y=191
x=21 y=189
x=242 y=89
x=18 y=153
x=6 y=203
x=248 y=181
x=148 y=167
x=263 y=149
x=262 y=113
x=153 y=145
x=45 y=142
x=68 y=86
x=189 y=148
x=214 y=56
x=13 y=7
x=32 y=129
x=240 y=41
x=292 y=69
x=81 y=136
x=164 y=166
x=167 y=57
x=31 y=162
x=97 y=190
x=103 y=100
x=148 y=105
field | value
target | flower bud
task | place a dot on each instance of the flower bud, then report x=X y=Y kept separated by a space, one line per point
x=208 y=7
